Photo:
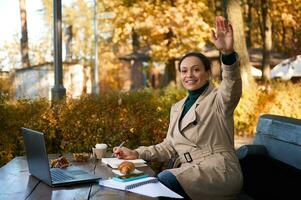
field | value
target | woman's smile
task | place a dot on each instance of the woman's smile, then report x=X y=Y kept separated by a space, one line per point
x=193 y=73
x=190 y=82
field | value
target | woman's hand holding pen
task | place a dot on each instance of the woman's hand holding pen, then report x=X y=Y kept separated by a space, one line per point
x=125 y=153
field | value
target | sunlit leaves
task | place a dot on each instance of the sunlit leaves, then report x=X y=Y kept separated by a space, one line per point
x=285 y=15
x=168 y=29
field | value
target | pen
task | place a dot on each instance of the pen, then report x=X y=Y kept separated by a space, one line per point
x=118 y=147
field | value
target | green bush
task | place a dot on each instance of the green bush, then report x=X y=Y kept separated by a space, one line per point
x=280 y=98
x=15 y=115
x=251 y=105
x=75 y=125
x=138 y=118
x=287 y=99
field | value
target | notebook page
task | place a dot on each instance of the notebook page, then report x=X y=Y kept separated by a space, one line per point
x=149 y=186
x=155 y=190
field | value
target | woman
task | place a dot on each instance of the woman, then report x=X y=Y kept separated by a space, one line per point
x=201 y=127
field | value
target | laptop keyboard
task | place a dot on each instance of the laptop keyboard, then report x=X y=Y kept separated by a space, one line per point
x=58 y=176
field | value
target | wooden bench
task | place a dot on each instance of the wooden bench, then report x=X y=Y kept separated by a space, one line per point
x=272 y=164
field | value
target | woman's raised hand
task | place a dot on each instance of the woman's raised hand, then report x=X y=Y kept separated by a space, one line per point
x=125 y=153
x=223 y=37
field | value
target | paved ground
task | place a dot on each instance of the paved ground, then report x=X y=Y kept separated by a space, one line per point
x=239 y=141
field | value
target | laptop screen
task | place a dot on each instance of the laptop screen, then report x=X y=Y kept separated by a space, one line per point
x=38 y=163
x=36 y=154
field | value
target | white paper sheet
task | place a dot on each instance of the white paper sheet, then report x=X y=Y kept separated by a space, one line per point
x=155 y=190
x=146 y=188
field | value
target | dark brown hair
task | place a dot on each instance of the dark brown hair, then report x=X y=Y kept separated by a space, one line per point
x=200 y=56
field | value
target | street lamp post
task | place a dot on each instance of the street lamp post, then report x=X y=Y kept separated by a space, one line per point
x=58 y=92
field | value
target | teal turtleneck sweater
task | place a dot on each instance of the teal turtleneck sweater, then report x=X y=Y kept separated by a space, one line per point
x=194 y=95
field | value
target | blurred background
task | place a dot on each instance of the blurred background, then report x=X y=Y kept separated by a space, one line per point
x=119 y=61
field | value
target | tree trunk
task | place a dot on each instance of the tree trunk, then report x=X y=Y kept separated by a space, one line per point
x=294 y=50
x=216 y=7
x=69 y=36
x=250 y=23
x=235 y=16
x=212 y=5
x=169 y=73
x=283 y=35
x=137 y=76
x=267 y=41
x=85 y=80
x=24 y=37
x=135 y=41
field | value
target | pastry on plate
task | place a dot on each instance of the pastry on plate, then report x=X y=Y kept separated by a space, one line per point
x=126 y=167
x=61 y=162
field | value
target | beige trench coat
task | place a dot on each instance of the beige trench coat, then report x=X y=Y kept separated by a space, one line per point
x=206 y=132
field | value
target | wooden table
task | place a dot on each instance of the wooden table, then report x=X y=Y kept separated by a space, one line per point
x=16 y=183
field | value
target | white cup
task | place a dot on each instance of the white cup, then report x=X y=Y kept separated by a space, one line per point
x=100 y=151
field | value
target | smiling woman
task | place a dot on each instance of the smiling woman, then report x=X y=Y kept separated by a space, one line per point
x=201 y=125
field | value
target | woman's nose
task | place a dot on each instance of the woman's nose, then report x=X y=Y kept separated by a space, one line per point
x=190 y=73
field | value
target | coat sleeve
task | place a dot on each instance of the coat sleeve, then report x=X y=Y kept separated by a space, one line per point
x=230 y=90
x=160 y=152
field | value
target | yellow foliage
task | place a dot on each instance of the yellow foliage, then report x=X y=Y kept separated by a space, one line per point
x=287 y=101
x=280 y=98
x=163 y=26
x=139 y=118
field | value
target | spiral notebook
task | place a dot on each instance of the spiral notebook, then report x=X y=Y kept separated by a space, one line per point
x=149 y=186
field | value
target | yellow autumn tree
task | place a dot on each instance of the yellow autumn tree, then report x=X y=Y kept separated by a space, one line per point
x=285 y=17
x=166 y=29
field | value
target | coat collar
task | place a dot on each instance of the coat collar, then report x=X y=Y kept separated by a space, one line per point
x=179 y=105
x=191 y=115
x=206 y=92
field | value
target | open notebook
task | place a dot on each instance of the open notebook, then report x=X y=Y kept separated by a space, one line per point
x=149 y=186
x=115 y=162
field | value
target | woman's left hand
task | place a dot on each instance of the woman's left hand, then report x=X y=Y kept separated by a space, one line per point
x=223 y=37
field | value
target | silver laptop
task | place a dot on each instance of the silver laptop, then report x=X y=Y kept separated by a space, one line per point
x=38 y=163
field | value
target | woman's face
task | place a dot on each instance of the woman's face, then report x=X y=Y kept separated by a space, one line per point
x=193 y=73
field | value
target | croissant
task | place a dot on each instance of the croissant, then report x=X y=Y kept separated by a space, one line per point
x=126 y=167
x=60 y=162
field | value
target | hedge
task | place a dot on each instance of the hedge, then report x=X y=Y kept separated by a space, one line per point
x=138 y=117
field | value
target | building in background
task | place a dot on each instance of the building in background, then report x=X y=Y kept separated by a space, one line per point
x=36 y=81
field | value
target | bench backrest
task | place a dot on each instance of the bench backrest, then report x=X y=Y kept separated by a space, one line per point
x=282 y=138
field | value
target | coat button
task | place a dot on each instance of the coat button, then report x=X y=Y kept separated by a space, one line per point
x=195 y=123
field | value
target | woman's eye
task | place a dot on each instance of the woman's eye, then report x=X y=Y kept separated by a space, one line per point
x=183 y=71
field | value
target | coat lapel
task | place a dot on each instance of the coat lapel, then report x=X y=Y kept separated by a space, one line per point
x=191 y=115
x=177 y=110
